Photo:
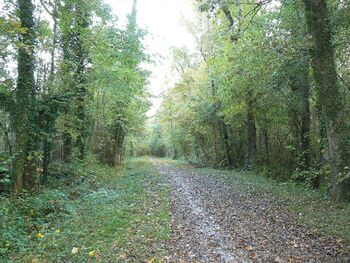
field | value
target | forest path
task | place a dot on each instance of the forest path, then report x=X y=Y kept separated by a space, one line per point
x=213 y=220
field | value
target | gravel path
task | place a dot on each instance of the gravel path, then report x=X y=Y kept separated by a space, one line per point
x=212 y=221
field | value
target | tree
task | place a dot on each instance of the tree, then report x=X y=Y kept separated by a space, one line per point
x=328 y=90
x=74 y=25
x=120 y=97
x=25 y=115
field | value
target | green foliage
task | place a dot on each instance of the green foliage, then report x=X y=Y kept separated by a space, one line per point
x=87 y=87
x=5 y=176
x=155 y=141
x=253 y=93
x=120 y=98
x=116 y=213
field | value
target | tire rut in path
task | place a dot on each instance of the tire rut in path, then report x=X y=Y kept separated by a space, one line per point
x=212 y=222
x=197 y=235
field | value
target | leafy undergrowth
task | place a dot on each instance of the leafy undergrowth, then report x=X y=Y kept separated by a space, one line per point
x=311 y=207
x=97 y=214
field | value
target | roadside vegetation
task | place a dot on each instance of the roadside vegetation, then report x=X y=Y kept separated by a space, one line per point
x=89 y=213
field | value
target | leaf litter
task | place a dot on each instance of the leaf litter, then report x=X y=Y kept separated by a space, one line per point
x=213 y=221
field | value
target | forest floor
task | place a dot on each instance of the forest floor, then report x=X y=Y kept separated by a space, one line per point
x=222 y=216
x=158 y=210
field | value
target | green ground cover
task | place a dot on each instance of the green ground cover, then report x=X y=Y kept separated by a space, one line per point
x=97 y=214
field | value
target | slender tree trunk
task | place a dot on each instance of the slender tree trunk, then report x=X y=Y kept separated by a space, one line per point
x=300 y=115
x=305 y=116
x=322 y=144
x=175 y=152
x=215 y=125
x=67 y=147
x=267 y=152
x=235 y=30
x=81 y=90
x=49 y=123
x=54 y=41
x=251 y=158
x=24 y=164
x=118 y=144
x=46 y=160
x=67 y=68
x=81 y=140
x=226 y=144
x=131 y=149
x=7 y=141
x=327 y=87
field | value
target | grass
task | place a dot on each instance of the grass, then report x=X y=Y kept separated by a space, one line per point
x=311 y=207
x=94 y=213
x=102 y=215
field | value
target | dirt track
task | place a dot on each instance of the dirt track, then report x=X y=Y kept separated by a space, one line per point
x=212 y=221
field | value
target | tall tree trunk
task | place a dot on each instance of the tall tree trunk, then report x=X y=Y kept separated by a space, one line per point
x=267 y=152
x=303 y=85
x=305 y=115
x=300 y=114
x=118 y=149
x=24 y=164
x=46 y=160
x=226 y=143
x=251 y=157
x=50 y=122
x=235 y=31
x=54 y=41
x=67 y=147
x=215 y=124
x=82 y=17
x=327 y=87
x=118 y=144
x=81 y=140
x=6 y=138
x=175 y=152
x=74 y=30
x=67 y=67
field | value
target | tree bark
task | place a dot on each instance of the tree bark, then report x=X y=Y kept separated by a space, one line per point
x=327 y=87
x=7 y=141
x=81 y=89
x=234 y=37
x=46 y=160
x=118 y=144
x=67 y=147
x=305 y=116
x=267 y=152
x=251 y=157
x=50 y=122
x=67 y=68
x=24 y=164
x=226 y=143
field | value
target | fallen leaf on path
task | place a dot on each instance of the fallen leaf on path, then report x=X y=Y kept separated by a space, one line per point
x=249 y=248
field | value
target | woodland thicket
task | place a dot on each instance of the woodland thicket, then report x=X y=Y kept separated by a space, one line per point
x=267 y=90
x=71 y=85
